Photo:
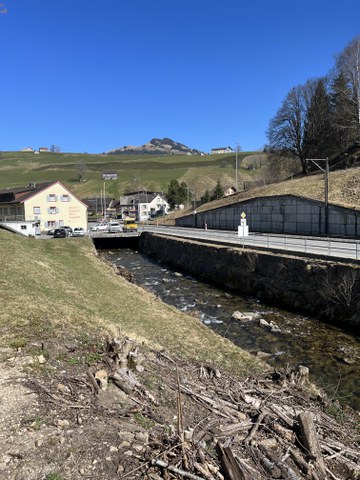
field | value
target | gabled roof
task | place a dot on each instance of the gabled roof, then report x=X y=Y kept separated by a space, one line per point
x=21 y=194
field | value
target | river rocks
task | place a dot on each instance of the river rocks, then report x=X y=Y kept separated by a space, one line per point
x=272 y=326
x=243 y=316
x=263 y=323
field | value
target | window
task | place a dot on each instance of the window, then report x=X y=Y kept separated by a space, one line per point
x=53 y=210
x=65 y=198
x=52 y=197
x=36 y=210
x=51 y=224
x=23 y=227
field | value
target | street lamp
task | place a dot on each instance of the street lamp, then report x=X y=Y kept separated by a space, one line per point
x=326 y=180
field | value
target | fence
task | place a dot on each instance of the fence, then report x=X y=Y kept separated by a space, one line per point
x=329 y=247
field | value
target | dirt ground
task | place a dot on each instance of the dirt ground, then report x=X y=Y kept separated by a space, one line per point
x=99 y=409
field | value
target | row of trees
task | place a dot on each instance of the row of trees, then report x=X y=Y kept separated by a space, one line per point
x=321 y=118
x=180 y=194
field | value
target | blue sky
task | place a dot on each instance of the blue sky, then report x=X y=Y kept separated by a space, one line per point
x=92 y=75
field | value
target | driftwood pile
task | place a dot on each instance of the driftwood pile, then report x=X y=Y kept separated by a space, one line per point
x=226 y=428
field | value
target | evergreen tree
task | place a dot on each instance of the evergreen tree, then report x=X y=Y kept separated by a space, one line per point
x=343 y=112
x=176 y=193
x=318 y=138
x=218 y=192
x=206 y=197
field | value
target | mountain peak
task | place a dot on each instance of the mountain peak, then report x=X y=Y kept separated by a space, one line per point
x=157 y=146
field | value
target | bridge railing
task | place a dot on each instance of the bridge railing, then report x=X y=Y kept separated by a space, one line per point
x=341 y=248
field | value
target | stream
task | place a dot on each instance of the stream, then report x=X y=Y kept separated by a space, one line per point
x=332 y=355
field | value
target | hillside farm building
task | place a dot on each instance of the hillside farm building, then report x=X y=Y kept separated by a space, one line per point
x=221 y=150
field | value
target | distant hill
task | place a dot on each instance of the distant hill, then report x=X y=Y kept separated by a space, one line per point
x=156 y=146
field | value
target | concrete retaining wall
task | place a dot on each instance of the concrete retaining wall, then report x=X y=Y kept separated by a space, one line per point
x=287 y=214
x=327 y=290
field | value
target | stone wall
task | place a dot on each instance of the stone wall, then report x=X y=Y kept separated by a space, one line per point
x=288 y=214
x=327 y=290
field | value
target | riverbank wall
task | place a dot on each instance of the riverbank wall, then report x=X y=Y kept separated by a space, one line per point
x=325 y=289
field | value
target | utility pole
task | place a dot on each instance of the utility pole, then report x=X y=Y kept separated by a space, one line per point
x=326 y=187
x=236 y=167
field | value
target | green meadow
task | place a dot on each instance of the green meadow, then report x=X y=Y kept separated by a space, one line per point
x=134 y=171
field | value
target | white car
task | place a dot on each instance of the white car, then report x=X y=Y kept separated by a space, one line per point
x=100 y=227
x=78 y=232
x=114 y=227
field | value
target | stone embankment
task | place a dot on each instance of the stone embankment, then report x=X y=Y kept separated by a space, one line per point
x=326 y=289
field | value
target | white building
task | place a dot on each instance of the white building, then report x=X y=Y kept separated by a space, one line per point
x=221 y=150
x=144 y=205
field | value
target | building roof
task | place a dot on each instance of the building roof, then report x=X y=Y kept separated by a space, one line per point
x=21 y=194
x=221 y=148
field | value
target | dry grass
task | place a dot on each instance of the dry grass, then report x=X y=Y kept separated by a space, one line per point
x=58 y=288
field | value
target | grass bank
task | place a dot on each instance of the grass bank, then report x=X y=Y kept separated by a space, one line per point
x=61 y=288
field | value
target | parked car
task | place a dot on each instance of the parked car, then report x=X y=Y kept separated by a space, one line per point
x=78 y=232
x=115 y=227
x=60 y=233
x=51 y=232
x=69 y=231
x=130 y=225
x=100 y=227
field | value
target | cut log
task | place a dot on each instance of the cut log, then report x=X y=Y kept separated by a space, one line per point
x=232 y=468
x=310 y=440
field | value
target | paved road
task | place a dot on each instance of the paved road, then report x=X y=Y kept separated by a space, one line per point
x=329 y=247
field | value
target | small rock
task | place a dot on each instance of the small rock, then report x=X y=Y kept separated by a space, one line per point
x=139 y=368
x=82 y=471
x=113 y=449
x=124 y=444
x=263 y=355
x=139 y=448
x=128 y=453
x=274 y=328
x=39 y=442
x=127 y=436
x=178 y=274
x=142 y=437
x=63 y=423
x=243 y=316
x=228 y=296
x=101 y=377
x=62 y=440
x=41 y=359
x=218 y=306
x=120 y=469
x=263 y=323
x=63 y=388
x=108 y=459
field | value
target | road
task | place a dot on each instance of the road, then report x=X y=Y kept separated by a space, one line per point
x=328 y=247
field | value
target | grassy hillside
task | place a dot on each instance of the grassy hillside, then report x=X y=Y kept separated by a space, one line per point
x=48 y=294
x=134 y=171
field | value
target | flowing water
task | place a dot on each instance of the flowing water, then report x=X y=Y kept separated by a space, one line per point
x=332 y=355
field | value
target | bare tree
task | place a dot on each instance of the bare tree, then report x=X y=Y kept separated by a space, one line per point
x=340 y=289
x=348 y=66
x=287 y=130
x=81 y=168
x=55 y=148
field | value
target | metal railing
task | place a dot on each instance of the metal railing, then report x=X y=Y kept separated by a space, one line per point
x=329 y=247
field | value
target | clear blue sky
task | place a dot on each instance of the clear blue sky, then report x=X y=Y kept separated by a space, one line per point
x=96 y=75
